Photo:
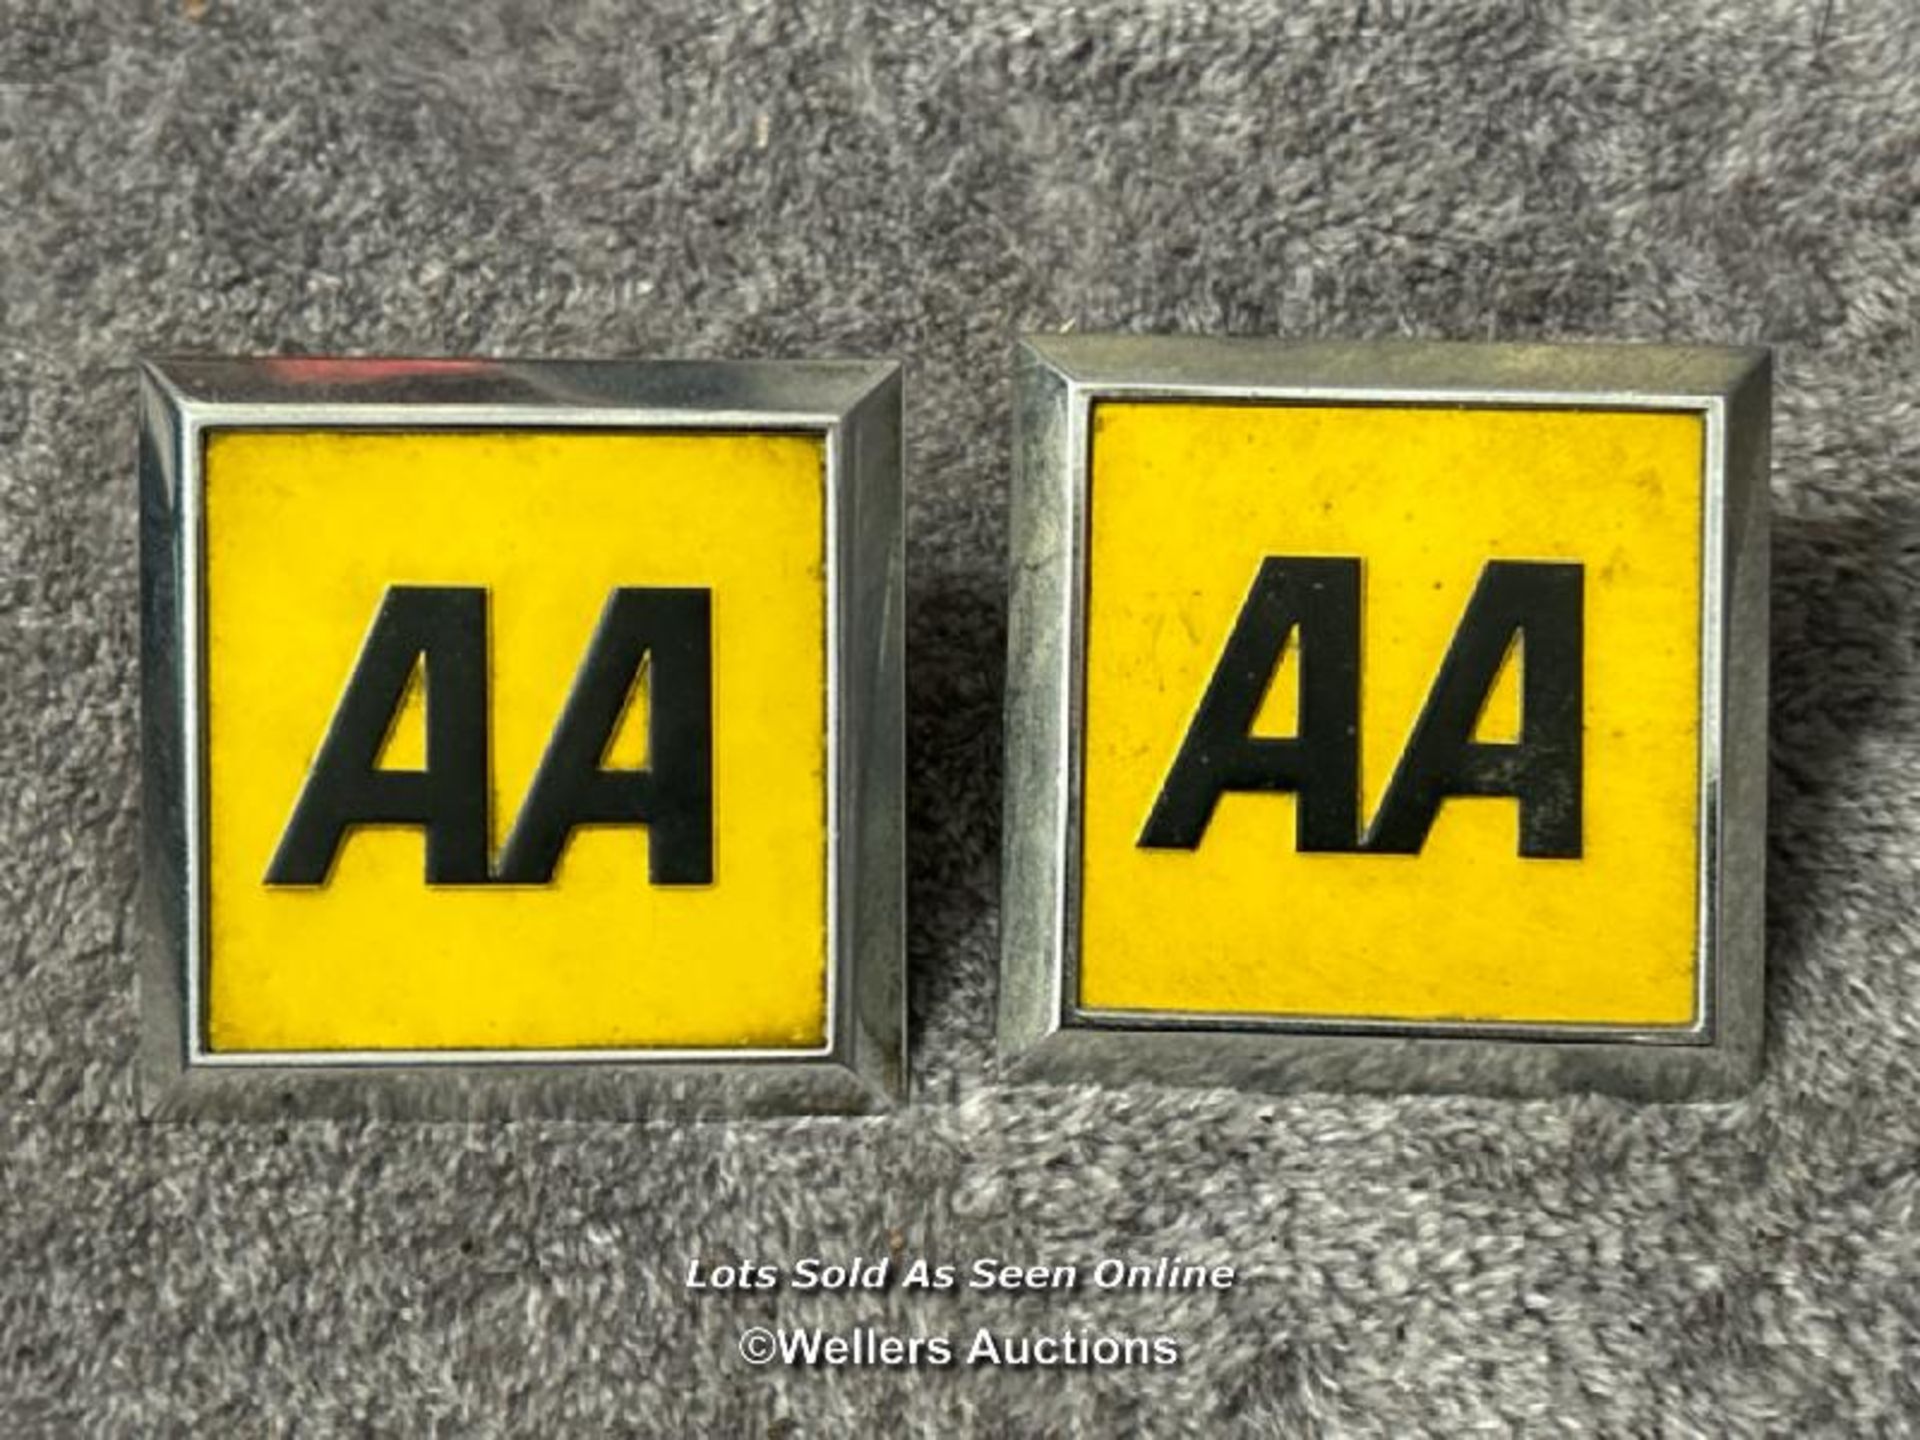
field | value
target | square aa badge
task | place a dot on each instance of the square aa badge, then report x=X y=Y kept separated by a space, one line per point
x=522 y=736
x=1389 y=716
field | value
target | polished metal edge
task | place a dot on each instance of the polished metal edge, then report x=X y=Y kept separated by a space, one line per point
x=872 y=738
x=1740 y=829
x=254 y=390
x=1044 y=1035
x=1038 y=790
x=1580 y=374
x=855 y=407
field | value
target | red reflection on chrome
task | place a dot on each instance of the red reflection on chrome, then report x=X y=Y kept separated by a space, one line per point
x=347 y=371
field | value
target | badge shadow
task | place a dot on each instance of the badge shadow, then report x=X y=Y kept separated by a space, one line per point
x=956 y=690
x=1844 y=639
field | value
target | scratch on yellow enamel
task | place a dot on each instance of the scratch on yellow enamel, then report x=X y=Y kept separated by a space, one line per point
x=304 y=533
x=1186 y=499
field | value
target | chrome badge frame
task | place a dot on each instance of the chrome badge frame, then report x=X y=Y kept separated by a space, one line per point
x=855 y=407
x=1044 y=1033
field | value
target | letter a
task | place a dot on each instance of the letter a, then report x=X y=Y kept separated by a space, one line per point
x=669 y=631
x=446 y=628
x=1321 y=597
x=1539 y=606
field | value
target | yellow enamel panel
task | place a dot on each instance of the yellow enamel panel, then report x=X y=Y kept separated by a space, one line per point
x=305 y=532
x=1186 y=500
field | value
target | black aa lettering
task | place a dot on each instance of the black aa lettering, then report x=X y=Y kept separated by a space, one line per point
x=1320 y=764
x=1540 y=607
x=443 y=628
x=670 y=632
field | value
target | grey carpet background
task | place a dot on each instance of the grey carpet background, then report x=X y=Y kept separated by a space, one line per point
x=927 y=180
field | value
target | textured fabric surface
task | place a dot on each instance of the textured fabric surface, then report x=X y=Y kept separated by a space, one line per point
x=927 y=181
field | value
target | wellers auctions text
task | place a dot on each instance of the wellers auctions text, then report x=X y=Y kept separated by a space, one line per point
x=866 y=1347
x=986 y=1274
